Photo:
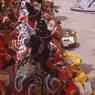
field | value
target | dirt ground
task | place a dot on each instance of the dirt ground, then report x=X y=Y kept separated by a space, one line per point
x=84 y=24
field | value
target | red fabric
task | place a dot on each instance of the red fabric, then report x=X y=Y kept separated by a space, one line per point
x=2 y=87
x=23 y=18
x=8 y=2
x=71 y=89
x=31 y=23
x=56 y=58
x=47 y=16
x=3 y=54
x=63 y=74
x=56 y=37
x=57 y=43
x=50 y=64
x=3 y=38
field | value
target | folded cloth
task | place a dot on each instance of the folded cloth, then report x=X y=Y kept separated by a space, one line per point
x=81 y=9
x=84 y=5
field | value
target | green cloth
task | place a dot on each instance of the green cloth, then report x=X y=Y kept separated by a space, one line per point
x=1 y=11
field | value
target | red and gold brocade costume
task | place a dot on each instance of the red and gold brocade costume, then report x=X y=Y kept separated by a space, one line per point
x=60 y=77
x=56 y=63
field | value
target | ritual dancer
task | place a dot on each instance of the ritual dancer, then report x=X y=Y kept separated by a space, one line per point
x=43 y=65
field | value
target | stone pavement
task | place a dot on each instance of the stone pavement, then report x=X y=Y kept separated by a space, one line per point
x=84 y=24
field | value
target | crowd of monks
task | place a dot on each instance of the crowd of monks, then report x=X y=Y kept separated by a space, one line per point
x=32 y=53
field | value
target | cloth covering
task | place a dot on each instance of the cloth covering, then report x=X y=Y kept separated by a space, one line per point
x=86 y=5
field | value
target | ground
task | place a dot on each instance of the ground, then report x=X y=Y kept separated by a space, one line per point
x=83 y=23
